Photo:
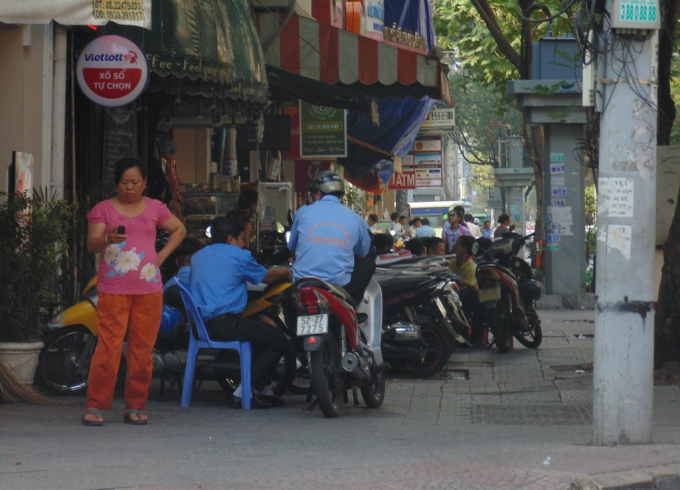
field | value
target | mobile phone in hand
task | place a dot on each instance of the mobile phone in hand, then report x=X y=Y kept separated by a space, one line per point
x=120 y=230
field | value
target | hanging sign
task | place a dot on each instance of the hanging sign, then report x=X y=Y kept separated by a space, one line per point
x=112 y=71
x=403 y=180
x=323 y=131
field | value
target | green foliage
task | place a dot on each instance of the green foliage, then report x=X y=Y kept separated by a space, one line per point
x=355 y=199
x=31 y=247
x=482 y=117
x=675 y=93
x=591 y=219
x=482 y=180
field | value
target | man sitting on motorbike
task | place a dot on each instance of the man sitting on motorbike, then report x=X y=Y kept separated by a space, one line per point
x=218 y=285
x=329 y=241
x=465 y=268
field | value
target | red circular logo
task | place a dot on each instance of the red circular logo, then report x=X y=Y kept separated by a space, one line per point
x=112 y=71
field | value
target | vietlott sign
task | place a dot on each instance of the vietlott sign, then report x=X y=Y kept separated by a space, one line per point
x=323 y=131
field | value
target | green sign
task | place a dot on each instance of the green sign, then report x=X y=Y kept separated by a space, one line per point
x=323 y=131
x=639 y=10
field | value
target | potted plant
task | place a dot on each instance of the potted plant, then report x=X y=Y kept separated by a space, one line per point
x=33 y=238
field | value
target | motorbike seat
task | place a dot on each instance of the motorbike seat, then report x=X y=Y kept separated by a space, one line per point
x=320 y=283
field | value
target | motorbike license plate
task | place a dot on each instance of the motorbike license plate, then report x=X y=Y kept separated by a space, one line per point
x=491 y=294
x=312 y=324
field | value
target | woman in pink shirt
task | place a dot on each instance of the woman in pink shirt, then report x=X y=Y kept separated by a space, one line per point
x=123 y=230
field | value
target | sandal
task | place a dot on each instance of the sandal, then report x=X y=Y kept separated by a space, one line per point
x=99 y=420
x=137 y=421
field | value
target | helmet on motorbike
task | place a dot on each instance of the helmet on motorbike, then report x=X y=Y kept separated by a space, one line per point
x=326 y=182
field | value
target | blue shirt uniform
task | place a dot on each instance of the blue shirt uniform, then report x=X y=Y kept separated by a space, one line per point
x=218 y=279
x=183 y=274
x=325 y=238
x=425 y=231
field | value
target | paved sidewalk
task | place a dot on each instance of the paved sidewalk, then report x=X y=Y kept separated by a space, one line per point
x=490 y=421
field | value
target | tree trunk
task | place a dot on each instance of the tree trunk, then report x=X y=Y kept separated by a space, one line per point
x=535 y=145
x=667 y=319
x=666 y=112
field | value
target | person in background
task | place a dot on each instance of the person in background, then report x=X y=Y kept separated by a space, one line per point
x=425 y=230
x=372 y=221
x=183 y=254
x=123 y=231
x=461 y=212
x=465 y=268
x=435 y=246
x=487 y=232
x=219 y=273
x=503 y=226
x=454 y=229
x=245 y=213
x=474 y=229
x=403 y=226
x=414 y=224
x=383 y=243
x=394 y=217
x=416 y=247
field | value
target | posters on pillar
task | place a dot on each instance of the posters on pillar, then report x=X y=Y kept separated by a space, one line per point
x=556 y=163
x=306 y=170
x=617 y=237
x=561 y=221
x=616 y=196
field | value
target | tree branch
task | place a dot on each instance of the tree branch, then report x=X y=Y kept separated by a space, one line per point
x=489 y=18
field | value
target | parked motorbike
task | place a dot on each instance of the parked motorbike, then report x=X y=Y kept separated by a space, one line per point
x=508 y=292
x=71 y=337
x=344 y=346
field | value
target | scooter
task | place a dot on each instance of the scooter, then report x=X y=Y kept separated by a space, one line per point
x=71 y=337
x=343 y=343
x=509 y=293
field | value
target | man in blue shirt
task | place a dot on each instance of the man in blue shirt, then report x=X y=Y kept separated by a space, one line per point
x=326 y=237
x=183 y=254
x=487 y=231
x=425 y=230
x=218 y=285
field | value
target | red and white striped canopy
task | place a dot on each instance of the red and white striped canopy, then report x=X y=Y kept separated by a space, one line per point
x=324 y=53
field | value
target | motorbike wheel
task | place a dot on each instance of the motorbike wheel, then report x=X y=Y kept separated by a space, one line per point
x=533 y=338
x=439 y=350
x=501 y=327
x=328 y=380
x=64 y=361
x=374 y=394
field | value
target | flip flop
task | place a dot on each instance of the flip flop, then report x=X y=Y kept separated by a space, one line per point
x=138 y=421
x=98 y=418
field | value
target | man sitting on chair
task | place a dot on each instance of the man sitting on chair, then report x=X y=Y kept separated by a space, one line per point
x=218 y=285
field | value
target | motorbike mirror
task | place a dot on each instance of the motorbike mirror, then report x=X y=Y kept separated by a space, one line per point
x=207 y=232
x=289 y=217
x=287 y=236
x=475 y=248
x=392 y=232
x=278 y=227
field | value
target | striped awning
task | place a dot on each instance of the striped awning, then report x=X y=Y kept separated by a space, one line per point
x=324 y=53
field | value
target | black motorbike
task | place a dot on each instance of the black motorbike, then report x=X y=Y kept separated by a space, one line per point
x=417 y=338
x=509 y=293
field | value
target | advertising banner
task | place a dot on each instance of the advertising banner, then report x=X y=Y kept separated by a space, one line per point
x=323 y=131
x=112 y=71
x=439 y=121
x=306 y=170
x=403 y=180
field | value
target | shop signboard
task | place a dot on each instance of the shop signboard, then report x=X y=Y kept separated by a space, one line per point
x=428 y=177
x=375 y=19
x=403 y=180
x=439 y=121
x=323 y=131
x=428 y=144
x=112 y=71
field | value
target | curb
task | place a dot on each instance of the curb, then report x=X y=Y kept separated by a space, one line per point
x=654 y=478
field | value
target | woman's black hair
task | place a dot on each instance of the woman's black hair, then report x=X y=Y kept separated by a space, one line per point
x=382 y=242
x=503 y=218
x=415 y=246
x=127 y=163
x=222 y=228
x=247 y=198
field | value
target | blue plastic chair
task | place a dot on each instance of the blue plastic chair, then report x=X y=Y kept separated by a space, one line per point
x=203 y=341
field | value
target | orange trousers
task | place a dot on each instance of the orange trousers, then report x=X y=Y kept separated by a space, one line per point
x=138 y=315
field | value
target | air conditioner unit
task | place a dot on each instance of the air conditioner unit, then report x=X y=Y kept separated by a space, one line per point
x=272 y=5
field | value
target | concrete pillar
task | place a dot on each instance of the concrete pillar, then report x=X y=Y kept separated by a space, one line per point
x=514 y=197
x=626 y=214
x=564 y=250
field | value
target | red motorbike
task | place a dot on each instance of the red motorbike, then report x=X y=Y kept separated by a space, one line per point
x=344 y=346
